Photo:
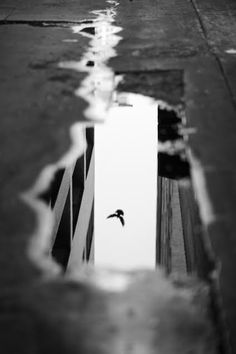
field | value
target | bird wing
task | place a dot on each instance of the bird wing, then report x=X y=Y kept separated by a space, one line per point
x=111 y=216
x=122 y=221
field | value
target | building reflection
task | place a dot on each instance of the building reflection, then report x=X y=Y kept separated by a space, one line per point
x=71 y=198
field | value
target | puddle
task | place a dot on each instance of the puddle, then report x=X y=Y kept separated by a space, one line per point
x=119 y=199
x=99 y=203
x=98 y=86
x=97 y=90
x=122 y=199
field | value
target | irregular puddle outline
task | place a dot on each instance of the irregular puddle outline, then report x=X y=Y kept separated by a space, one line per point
x=40 y=242
x=102 y=77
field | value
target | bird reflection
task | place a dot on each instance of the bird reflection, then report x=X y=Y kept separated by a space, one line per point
x=118 y=214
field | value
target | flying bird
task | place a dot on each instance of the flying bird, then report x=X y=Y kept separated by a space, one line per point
x=118 y=214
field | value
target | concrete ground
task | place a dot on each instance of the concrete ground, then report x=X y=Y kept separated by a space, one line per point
x=193 y=42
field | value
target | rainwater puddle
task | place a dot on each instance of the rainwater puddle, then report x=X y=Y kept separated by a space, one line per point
x=121 y=200
x=118 y=171
x=127 y=202
x=98 y=86
x=115 y=199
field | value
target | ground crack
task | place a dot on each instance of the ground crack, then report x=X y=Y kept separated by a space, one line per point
x=45 y=24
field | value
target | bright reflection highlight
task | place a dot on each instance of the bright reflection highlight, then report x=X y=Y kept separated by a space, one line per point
x=97 y=87
x=126 y=178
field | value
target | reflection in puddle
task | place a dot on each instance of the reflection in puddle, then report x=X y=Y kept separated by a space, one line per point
x=98 y=86
x=173 y=166
x=97 y=90
x=122 y=205
x=105 y=196
x=107 y=205
x=172 y=155
x=125 y=159
x=117 y=177
x=126 y=179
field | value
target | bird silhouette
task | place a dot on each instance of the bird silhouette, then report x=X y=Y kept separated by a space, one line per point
x=118 y=214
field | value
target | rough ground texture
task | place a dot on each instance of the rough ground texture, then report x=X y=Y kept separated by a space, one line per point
x=191 y=39
x=81 y=316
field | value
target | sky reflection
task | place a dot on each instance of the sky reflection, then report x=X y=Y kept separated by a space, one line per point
x=126 y=178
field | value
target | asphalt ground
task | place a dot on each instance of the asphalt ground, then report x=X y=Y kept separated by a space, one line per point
x=196 y=38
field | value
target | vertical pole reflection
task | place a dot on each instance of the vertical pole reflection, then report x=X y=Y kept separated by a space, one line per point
x=126 y=179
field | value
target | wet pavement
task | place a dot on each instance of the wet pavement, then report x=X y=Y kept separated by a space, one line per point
x=181 y=56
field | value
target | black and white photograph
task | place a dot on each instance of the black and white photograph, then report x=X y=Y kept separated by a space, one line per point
x=118 y=175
